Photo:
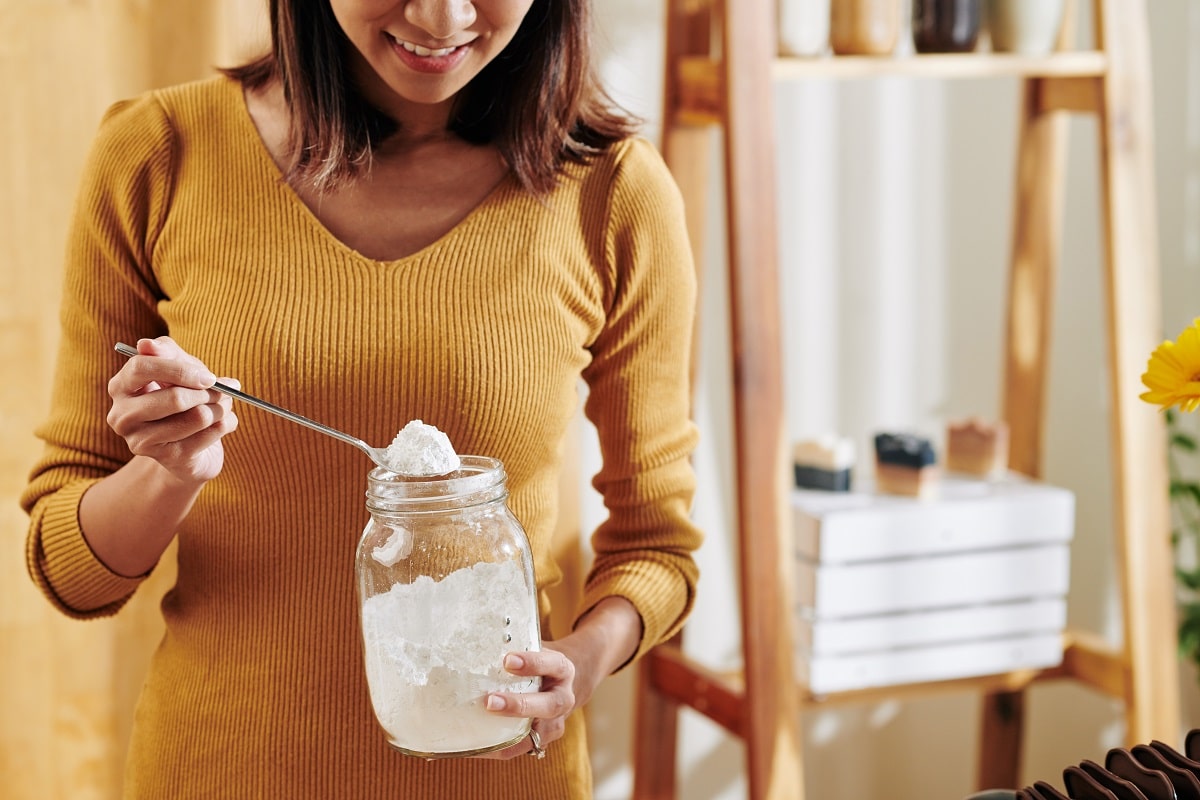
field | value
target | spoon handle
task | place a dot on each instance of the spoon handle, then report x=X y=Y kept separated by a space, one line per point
x=126 y=350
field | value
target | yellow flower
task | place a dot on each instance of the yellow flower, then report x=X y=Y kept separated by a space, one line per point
x=1173 y=372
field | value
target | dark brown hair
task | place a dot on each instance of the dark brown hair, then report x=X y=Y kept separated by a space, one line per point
x=539 y=101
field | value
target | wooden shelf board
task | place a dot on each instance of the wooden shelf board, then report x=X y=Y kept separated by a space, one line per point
x=1074 y=64
x=1086 y=658
x=1005 y=682
x=699 y=77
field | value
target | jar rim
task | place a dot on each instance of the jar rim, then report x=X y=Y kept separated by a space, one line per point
x=475 y=474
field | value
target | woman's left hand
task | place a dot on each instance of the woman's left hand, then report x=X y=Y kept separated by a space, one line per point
x=570 y=668
x=549 y=707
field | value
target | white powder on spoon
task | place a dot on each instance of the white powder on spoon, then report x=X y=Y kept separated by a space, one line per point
x=420 y=450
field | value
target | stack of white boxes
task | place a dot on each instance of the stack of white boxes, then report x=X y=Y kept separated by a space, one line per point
x=898 y=590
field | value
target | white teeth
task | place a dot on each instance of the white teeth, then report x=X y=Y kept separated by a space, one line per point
x=425 y=52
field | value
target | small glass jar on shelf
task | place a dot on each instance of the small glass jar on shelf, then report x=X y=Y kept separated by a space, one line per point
x=803 y=27
x=1026 y=27
x=864 y=27
x=946 y=26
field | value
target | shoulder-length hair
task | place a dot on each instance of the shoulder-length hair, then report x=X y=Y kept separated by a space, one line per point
x=539 y=101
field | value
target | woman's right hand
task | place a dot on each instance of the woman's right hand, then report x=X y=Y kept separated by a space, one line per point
x=164 y=409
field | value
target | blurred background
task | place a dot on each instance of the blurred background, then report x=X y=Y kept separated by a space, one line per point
x=901 y=328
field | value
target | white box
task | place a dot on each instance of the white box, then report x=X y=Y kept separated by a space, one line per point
x=968 y=514
x=894 y=590
x=825 y=674
x=832 y=637
x=909 y=584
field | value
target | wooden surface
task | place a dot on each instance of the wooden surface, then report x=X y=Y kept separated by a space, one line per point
x=951 y=66
x=687 y=150
x=1087 y=658
x=1033 y=265
x=656 y=728
x=772 y=720
x=698 y=78
x=1135 y=328
x=1036 y=245
x=68 y=687
x=766 y=712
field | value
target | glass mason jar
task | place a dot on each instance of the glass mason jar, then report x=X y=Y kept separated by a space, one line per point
x=446 y=586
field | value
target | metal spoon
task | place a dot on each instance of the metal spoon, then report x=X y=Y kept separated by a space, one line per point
x=377 y=454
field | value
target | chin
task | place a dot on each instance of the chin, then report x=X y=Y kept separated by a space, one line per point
x=429 y=94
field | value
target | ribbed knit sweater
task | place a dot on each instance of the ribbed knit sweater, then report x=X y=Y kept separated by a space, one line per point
x=184 y=227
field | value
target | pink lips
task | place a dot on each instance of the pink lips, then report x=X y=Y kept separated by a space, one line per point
x=429 y=64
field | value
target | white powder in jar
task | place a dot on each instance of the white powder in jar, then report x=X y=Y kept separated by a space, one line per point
x=421 y=449
x=434 y=650
x=399 y=545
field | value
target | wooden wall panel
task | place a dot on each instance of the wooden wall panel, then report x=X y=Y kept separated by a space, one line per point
x=67 y=688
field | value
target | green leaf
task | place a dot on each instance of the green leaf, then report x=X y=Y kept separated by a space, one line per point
x=1184 y=494
x=1190 y=579
x=1189 y=630
x=1181 y=490
x=1189 y=639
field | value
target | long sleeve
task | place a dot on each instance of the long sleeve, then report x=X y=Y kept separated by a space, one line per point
x=639 y=400
x=109 y=293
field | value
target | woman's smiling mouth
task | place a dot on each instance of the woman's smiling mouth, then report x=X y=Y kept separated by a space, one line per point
x=434 y=60
x=425 y=52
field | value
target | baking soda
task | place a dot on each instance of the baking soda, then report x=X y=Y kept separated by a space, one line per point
x=421 y=449
x=434 y=651
x=398 y=545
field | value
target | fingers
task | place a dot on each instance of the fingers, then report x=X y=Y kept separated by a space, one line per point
x=545 y=663
x=557 y=696
x=164 y=408
x=161 y=361
x=171 y=391
x=157 y=402
x=548 y=708
x=172 y=437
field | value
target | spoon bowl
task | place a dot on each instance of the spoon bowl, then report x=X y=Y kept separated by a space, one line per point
x=376 y=454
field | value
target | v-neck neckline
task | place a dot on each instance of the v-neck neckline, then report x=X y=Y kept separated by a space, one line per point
x=496 y=195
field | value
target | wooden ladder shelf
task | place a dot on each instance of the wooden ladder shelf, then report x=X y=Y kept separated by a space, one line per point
x=733 y=94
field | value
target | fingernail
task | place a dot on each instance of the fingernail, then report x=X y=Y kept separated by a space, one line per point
x=495 y=703
x=513 y=662
x=207 y=378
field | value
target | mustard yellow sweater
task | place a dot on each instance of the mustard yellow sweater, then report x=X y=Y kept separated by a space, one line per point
x=184 y=227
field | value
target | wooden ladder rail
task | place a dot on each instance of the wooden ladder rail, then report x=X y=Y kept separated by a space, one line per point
x=766 y=698
x=762 y=705
x=1119 y=99
x=687 y=150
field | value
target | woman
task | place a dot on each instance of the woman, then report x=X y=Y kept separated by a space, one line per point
x=406 y=210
